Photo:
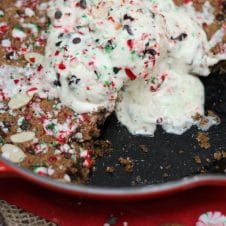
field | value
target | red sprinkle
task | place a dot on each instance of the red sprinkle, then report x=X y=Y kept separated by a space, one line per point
x=24 y=50
x=77 y=4
x=86 y=118
x=130 y=44
x=16 y=81
x=41 y=173
x=155 y=88
x=41 y=41
x=57 y=53
x=32 y=60
x=32 y=89
x=130 y=74
x=205 y=25
x=4 y=28
x=52 y=159
x=110 y=18
x=91 y=63
x=40 y=67
x=163 y=77
x=2 y=94
x=88 y=162
x=187 y=1
x=62 y=66
x=61 y=138
x=112 y=84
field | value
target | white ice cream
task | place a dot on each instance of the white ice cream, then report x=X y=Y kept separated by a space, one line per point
x=146 y=50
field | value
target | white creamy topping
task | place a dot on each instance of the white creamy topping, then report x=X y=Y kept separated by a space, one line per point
x=172 y=106
x=151 y=49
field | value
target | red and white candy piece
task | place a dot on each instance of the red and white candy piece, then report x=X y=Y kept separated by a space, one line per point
x=34 y=58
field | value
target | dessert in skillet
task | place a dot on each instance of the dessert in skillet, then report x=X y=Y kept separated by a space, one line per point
x=152 y=49
x=60 y=80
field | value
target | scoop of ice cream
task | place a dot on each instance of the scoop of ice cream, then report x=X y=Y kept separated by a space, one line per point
x=97 y=47
x=89 y=56
x=172 y=106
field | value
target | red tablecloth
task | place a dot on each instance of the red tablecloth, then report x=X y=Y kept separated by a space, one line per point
x=183 y=208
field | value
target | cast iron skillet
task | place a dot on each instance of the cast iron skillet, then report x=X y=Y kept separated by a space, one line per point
x=167 y=167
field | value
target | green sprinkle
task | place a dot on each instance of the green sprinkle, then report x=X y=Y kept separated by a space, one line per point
x=108 y=49
x=107 y=83
x=84 y=16
x=18 y=28
x=1 y=141
x=73 y=157
x=51 y=126
x=54 y=143
x=98 y=75
x=36 y=26
x=109 y=46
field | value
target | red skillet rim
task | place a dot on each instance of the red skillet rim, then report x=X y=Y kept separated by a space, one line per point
x=124 y=193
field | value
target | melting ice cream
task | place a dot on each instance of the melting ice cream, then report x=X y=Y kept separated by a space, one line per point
x=140 y=58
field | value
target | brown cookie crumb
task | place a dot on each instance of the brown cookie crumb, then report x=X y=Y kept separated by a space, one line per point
x=197 y=159
x=203 y=121
x=217 y=155
x=110 y=169
x=203 y=140
x=213 y=115
x=165 y=175
x=144 y=148
x=224 y=154
x=127 y=163
x=200 y=119
x=180 y=152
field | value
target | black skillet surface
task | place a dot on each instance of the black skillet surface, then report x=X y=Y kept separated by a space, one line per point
x=170 y=157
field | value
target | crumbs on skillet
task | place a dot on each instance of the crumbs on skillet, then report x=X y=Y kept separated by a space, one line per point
x=144 y=148
x=197 y=159
x=127 y=163
x=218 y=155
x=110 y=169
x=203 y=140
